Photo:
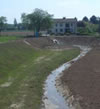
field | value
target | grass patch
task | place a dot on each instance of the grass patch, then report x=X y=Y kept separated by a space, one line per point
x=8 y=38
x=26 y=69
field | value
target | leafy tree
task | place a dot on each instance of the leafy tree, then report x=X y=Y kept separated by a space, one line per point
x=24 y=20
x=19 y=26
x=15 y=23
x=85 y=19
x=94 y=20
x=3 y=21
x=98 y=26
x=38 y=20
x=81 y=24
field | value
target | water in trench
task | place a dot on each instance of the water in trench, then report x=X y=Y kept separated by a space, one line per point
x=52 y=98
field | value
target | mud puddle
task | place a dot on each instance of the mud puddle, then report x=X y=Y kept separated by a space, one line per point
x=52 y=99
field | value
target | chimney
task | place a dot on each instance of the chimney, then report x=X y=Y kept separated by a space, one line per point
x=64 y=18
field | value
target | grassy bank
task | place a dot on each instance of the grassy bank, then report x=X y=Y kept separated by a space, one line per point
x=23 y=71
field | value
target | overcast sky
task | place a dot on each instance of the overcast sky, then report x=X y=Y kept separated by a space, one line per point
x=59 y=8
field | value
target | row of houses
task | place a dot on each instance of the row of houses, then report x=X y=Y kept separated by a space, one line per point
x=62 y=26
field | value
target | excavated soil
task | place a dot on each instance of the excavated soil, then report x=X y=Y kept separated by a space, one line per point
x=83 y=80
x=46 y=42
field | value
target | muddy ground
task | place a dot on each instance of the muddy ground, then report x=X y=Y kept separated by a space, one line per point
x=83 y=80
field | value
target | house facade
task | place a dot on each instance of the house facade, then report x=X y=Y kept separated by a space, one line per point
x=62 y=26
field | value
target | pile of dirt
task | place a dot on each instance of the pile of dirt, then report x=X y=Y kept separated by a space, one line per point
x=83 y=80
x=75 y=40
x=43 y=42
x=40 y=42
x=47 y=42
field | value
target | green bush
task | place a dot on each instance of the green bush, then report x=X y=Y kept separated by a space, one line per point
x=89 y=29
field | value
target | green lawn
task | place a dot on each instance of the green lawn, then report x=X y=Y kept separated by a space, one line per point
x=23 y=71
x=8 y=38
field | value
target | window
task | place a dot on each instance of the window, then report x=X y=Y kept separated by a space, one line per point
x=71 y=24
x=67 y=30
x=61 y=30
x=56 y=30
x=67 y=25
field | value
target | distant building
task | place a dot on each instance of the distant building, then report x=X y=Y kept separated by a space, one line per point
x=62 y=26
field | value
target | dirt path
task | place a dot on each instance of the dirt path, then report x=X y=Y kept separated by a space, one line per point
x=83 y=80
